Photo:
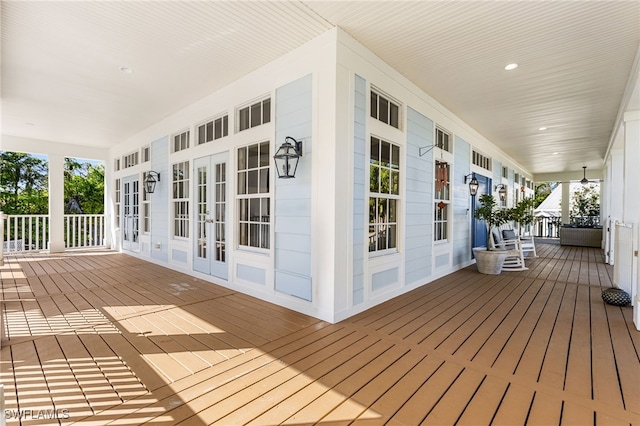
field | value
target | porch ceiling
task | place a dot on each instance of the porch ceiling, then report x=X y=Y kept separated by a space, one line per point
x=61 y=78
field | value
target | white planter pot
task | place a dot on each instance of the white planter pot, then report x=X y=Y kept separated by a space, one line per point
x=489 y=261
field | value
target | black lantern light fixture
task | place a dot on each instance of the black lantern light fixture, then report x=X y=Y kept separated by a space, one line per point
x=473 y=184
x=287 y=158
x=502 y=191
x=150 y=181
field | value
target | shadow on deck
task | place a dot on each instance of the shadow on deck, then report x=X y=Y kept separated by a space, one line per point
x=105 y=338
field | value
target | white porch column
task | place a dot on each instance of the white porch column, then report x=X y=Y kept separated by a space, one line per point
x=616 y=196
x=56 y=203
x=566 y=187
x=631 y=200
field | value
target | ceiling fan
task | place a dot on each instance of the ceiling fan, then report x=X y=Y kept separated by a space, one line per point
x=584 y=179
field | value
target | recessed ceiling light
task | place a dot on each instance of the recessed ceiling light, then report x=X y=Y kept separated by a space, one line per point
x=511 y=67
x=126 y=70
x=542 y=128
x=556 y=153
x=29 y=124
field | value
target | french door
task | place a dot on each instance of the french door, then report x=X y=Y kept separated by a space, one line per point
x=211 y=193
x=131 y=213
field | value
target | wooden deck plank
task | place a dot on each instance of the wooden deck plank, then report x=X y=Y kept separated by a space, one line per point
x=579 y=363
x=508 y=332
x=530 y=364
x=467 y=341
x=395 y=397
x=421 y=327
x=177 y=397
x=139 y=335
x=427 y=396
x=224 y=342
x=508 y=349
x=606 y=385
x=489 y=340
x=545 y=410
x=485 y=403
x=342 y=382
x=61 y=382
x=627 y=358
x=514 y=407
x=236 y=409
x=554 y=365
x=30 y=380
x=454 y=402
x=577 y=414
x=284 y=400
x=92 y=382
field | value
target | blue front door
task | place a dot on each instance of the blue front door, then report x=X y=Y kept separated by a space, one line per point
x=479 y=227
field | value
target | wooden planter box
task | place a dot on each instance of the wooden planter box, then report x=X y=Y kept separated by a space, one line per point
x=584 y=237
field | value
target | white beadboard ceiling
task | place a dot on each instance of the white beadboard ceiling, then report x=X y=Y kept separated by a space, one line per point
x=61 y=60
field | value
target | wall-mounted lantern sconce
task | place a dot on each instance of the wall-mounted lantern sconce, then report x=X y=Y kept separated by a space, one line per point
x=150 y=181
x=287 y=158
x=473 y=184
x=502 y=191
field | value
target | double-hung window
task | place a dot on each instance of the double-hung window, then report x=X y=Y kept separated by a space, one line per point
x=181 y=199
x=254 y=207
x=442 y=197
x=384 y=195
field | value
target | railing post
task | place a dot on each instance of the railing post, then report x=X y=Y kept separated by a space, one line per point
x=2 y=243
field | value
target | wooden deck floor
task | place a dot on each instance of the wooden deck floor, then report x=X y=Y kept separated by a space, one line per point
x=101 y=338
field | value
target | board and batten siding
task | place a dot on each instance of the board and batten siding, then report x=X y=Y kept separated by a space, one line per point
x=461 y=219
x=159 y=200
x=292 y=210
x=359 y=188
x=419 y=198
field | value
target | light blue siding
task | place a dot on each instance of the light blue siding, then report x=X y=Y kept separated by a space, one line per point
x=497 y=172
x=178 y=255
x=295 y=285
x=251 y=274
x=442 y=260
x=419 y=195
x=292 y=210
x=159 y=199
x=461 y=203
x=359 y=161
x=384 y=278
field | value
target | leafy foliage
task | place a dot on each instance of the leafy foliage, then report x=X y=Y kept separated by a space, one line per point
x=585 y=206
x=543 y=190
x=84 y=184
x=23 y=179
x=491 y=214
x=522 y=213
x=24 y=183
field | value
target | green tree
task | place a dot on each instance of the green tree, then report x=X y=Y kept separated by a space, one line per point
x=84 y=185
x=542 y=191
x=23 y=184
x=585 y=206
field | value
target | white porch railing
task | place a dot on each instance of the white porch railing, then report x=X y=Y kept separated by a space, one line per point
x=31 y=232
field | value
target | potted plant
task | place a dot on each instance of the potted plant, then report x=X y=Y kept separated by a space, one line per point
x=521 y=214
x=489 y=260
